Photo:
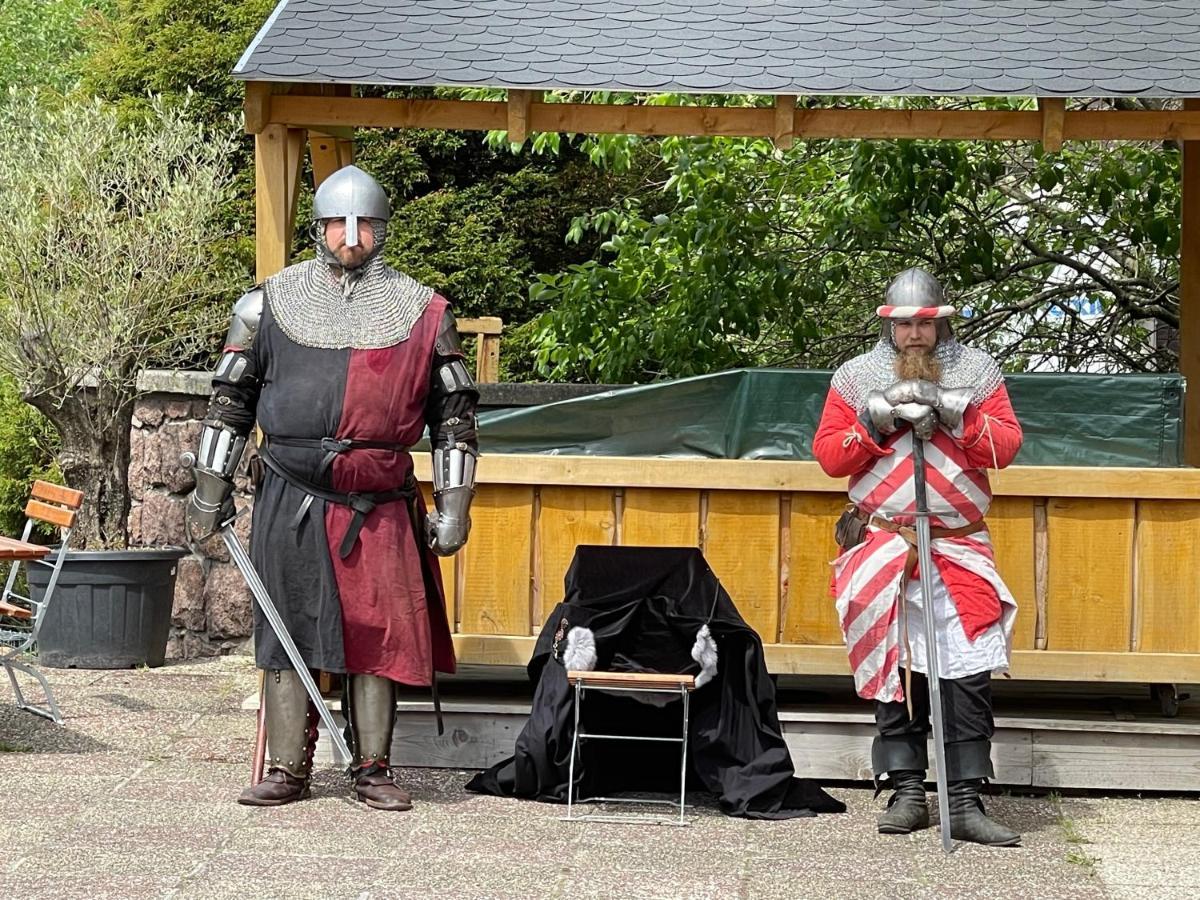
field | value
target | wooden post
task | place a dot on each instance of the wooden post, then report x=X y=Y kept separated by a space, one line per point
x=487 y=347
x=1054 y=113
x=273 y=224
x=785 y=121
x=518 y=115
x=1189 y=294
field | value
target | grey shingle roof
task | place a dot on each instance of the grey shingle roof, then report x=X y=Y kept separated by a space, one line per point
x=977 y=47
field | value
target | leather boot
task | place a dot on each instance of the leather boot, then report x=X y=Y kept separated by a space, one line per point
x=969 y=822
x=291 y=723
x=907 y=810
x=372 y=716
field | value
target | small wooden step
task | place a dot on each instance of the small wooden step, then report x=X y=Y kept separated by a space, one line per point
x=17 y=612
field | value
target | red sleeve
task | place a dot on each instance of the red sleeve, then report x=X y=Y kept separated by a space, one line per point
x=991 y=434
x=842 y=445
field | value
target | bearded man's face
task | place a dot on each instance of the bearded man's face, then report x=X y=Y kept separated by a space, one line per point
x=915 y=340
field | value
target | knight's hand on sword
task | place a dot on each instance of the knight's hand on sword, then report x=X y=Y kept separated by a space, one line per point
x=924 y=419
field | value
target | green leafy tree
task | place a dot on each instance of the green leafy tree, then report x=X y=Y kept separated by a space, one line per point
x=106 y=265
x=761 y=258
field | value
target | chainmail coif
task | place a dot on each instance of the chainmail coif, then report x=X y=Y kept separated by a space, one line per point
x=372 y=307
x=875 y=370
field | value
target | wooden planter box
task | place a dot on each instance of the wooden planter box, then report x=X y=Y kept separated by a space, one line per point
x=1102 y=561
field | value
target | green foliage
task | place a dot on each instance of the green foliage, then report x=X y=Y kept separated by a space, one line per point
x=27 y=447
x=41 y=41
x=761 y=258
x=178 y=49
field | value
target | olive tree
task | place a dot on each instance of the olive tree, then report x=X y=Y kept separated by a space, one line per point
x=107 y=228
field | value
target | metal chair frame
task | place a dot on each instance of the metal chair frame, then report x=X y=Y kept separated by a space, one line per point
x=23 y=639
x=684 y=691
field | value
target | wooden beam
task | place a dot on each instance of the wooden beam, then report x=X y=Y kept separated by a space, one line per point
x=777 y=475
x=785 y=122
x=1189 y=294
x=317 y=113
x=256 y=109
x=1054 y=111
x=272 y=222
x=482 y=325
x=519 y=103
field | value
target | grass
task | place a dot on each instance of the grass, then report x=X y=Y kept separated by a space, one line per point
x=1077 y=855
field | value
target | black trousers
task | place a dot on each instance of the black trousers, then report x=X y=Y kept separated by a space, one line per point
x=966 y=715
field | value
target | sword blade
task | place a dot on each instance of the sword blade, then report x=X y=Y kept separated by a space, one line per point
x=242 y=560
x=933 y=671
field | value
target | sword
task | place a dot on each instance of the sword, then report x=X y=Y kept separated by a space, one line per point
x=242 y=560
x=925 y=562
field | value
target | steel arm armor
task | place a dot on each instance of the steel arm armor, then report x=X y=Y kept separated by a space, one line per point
x=227 y=425
x=450 y=414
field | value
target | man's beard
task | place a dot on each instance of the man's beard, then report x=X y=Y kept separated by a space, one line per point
x=921 y=364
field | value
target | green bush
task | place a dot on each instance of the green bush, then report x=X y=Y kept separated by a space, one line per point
x=27 y=447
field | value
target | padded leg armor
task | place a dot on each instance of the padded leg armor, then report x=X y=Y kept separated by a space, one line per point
x=372 y=716
x=291 y=739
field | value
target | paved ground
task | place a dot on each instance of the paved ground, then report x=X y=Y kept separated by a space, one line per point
x=133 y=797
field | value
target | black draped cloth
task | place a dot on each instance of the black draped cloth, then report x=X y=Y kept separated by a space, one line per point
x=645 y=606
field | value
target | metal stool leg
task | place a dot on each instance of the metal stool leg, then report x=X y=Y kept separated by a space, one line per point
x=50 y=711
x=686 y=694
x=574 y=750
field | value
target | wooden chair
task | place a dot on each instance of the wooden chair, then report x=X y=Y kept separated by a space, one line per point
x=54 y=505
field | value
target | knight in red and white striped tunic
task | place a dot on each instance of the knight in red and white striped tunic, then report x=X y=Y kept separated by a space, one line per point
x=876 y=584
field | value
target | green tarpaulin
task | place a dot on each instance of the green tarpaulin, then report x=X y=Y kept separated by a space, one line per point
x=1073 y=420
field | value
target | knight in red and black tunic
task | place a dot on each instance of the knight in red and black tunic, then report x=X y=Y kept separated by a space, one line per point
x=343 y=362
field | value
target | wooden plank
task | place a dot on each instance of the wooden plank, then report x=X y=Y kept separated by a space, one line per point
x=1167 y=547
x=55 y=515
x=519 y=103
x=631 y=679
x=11 y=548
x=56 y=493
x=381 y=112
x=16 y=612
x=1115 y=761
x=866 y=124
x=570 y=517
x=449 y=566
x=1090 y=591
x=297 y=141
x=272 y=224
x=778 y=475
x=801 y=659
x=811 y=614
x=487 y=359
x=1053 y=111
x=743 y=550
x=1189 y=292
x=323 y=150
x=1011 y=523
x=660 y=518
x=785 y=121
x=496 y=573
x=481 y=325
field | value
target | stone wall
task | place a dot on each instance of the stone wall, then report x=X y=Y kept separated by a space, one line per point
x=211 y=613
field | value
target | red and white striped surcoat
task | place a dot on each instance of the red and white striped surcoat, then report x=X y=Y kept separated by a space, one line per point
x=973 y=607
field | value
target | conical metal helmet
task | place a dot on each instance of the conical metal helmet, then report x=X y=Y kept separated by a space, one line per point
x=351 y=194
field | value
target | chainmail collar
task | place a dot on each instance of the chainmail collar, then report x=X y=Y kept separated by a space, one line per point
x=367 y=308
x=875 y=370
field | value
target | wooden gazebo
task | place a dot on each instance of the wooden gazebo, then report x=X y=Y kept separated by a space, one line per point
x=766 y=527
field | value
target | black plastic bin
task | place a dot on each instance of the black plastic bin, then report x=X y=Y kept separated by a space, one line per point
x=110 y=610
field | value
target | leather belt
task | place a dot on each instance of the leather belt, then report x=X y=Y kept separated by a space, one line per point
x=909 y=532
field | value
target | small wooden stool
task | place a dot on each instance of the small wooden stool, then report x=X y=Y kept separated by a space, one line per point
x=629 y=682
